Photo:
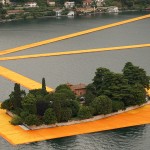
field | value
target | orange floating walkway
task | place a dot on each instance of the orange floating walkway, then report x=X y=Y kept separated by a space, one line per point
x=20 y=48
x=75 y=52
x=22 y=80
x=16 y=135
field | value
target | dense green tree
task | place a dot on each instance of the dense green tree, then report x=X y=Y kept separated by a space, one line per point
x=139 y=94
x=117 y=105
x=74 y=106
x=99 y=79
x=85 y=112
x=90 y=88
x=127 y=96
x=16 y=96
x=41 y=3
x=68 y=94
x=135 y=75
x=29 y=103
x=78 y=2
x=62 y=87
x=7 y=104
x=42 y=106
x=60 y=2
x=24 y=114
x=89 y=97
x=31 y=120
x=102 y=105
x=1 y=6
x=16 y=120
x=66 y=114
x=57 y=109
x=49 y=116
x=44 y=92
x=113 y=85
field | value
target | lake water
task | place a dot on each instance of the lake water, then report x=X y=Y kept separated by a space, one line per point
x=78 y=68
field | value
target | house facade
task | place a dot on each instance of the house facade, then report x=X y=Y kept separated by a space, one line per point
x=4 y=2
x=87 y=3
x=69 y=4
x=78 y=89
x=99 y=3
x=51 y=2
x=113 y=9
x=31 y=4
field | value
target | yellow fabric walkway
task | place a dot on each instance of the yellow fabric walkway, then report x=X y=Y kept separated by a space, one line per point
x=16 y=135
x=20 y=48
x=22 y=80
x=75 y=52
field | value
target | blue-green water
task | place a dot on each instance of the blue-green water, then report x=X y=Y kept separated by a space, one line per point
x=78 y=68
x=133 y=138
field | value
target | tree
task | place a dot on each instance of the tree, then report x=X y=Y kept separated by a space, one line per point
x=16 y=120
x=41 y=106
x=113 y=86
x=29 y=103
x=102 y=105
x=61 y=86
x=89 y=97
x=44 y=92
x=7 y=104
x=16 y=96
x=67 y=94
x=135 y=75
x=31 y=120
x=74 y=106
x=139 y=94
x=66 y=114
x=84 y=112
x=90 y=88
x=99 y=79
x=117 y=105
x=127 y=96
x=1 y=6
x=60 y=2
x=49 y=116
x=57 y=109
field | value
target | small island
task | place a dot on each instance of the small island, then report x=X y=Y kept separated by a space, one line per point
x=108 y=93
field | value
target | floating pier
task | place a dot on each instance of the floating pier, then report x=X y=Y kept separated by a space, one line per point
x=16 y=135
x=75 y=52
x=20 y=48
x=22 y=80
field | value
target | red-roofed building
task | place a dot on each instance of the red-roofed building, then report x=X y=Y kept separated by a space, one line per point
x=78 y=89
x=87 y=2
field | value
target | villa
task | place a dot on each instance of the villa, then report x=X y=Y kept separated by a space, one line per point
x=4 y=2
x=69 y=4
x=31 y=4
x=51 y=2
x=78 y=89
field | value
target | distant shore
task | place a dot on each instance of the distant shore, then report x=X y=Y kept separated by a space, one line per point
x=89 y=13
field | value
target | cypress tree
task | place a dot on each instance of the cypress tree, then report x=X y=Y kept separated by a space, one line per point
x=44 y=92
x=16 y=96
